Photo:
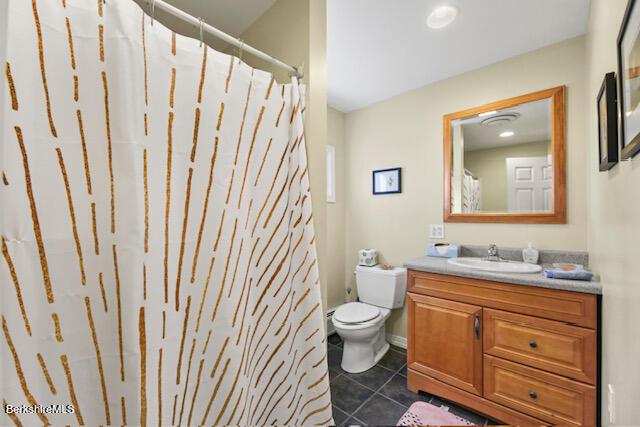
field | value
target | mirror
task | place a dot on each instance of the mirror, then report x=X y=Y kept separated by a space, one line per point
x=504 y=162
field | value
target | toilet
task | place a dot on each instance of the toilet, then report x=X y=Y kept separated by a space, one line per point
x=361 y=324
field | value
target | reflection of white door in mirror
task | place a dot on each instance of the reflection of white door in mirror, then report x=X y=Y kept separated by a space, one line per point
x=529 y=184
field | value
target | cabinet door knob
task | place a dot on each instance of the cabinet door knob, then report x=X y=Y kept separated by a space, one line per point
x=533 y=344
x=533 y=395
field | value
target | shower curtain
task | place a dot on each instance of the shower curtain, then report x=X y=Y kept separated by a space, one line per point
x=471 y=193
x=158 y=260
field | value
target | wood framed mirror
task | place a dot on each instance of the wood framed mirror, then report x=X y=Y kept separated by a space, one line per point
x=504 y=162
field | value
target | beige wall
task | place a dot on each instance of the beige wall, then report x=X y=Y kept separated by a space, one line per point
x=614 y=231
x=282 y=32
x=336 y=214
x=316 y=128
x=490 y=167
x=294 y=31
x=406 y=131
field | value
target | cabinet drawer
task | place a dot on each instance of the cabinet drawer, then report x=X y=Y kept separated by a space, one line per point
x=552 y=346
x=569 y=307
x=539 y=394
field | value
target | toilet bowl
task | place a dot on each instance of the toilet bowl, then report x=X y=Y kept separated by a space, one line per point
x=361 y=324
x=364 y=342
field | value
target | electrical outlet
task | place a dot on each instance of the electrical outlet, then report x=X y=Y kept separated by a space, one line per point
x=436 y=231
x=612 y=405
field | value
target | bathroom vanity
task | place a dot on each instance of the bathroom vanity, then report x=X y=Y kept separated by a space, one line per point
x=520 y=349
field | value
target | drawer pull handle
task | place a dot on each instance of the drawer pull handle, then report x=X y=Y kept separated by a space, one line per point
x=533 y=395
x=533 y=344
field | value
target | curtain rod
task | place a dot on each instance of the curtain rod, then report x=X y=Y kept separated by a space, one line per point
x=221 y=35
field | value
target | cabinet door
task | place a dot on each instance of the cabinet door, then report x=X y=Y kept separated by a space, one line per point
x=445 y=341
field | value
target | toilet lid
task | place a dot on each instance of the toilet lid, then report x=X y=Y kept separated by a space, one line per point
x=356 y=312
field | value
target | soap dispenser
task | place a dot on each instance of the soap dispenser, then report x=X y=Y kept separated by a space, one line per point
x=530 y=254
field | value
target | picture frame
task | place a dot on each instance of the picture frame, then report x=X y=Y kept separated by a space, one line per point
x=606 y=105
x=628 y=51
x=387 y=181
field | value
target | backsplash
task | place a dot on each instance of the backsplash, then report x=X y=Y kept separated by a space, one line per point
x=515 y=254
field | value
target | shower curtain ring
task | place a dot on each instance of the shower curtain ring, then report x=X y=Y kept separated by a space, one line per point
x=200 y=26
x=153 y=11
x=241 y=49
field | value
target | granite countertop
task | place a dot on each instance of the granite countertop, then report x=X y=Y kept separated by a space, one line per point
x=441 y=266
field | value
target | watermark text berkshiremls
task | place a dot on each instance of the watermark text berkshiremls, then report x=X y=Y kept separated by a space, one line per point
x=38 y=409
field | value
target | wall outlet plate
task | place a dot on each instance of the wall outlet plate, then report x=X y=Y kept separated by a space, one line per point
x=436 y=231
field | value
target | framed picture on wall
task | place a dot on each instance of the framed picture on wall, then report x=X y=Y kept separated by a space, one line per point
x=629 y=80
x=387 y=181
x=607 y=123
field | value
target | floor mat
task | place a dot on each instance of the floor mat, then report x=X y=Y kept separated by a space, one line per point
x=426 y=414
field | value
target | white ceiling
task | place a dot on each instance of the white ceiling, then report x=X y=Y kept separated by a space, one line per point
x=532 y=125
x=377 y=49
x=231 y=16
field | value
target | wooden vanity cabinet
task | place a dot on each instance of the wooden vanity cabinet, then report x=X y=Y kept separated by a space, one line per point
x=521 y=355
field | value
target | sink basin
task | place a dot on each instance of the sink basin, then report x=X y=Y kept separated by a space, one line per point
x=495 y=266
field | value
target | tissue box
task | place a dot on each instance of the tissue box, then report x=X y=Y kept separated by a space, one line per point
x=442 y=250
x=367 y=257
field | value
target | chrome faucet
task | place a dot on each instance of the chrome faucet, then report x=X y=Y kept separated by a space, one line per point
x=492 y=253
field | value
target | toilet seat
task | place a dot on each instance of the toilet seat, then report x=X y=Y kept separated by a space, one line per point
x=353 y=313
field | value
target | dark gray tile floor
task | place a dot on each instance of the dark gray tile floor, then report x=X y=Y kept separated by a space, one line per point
x=378 y=396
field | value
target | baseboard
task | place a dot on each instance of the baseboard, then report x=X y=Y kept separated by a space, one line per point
x=397 y=340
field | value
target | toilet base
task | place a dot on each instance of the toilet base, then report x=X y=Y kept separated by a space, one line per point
x=359 y=356
x=353 y=363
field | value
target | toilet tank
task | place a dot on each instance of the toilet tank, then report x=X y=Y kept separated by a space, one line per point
x=382 y=288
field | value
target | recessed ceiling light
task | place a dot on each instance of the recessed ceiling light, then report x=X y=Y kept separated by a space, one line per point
x=507 y=134
x=442 y=16
x=488 y=113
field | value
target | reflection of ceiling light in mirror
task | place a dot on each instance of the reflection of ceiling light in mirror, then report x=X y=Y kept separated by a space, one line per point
x=441 y=17
x=628 y=113
x=507 y=134
x=488 y=113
